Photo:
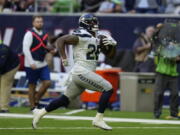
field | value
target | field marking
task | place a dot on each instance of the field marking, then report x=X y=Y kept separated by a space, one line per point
x=77 y=128
x=149 y=121
x=74 y=111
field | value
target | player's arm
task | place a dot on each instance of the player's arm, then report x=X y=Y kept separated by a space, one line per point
x=109 y=51
x=62 y=42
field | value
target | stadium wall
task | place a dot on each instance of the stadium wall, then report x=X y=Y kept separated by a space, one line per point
x=13 y=26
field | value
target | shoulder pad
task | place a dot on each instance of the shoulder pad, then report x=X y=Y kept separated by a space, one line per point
x=81 y=33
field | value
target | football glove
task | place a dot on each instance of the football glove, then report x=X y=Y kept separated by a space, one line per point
x=107 y=41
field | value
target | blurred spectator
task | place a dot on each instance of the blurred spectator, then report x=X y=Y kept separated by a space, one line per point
x=112 y=6
x=45 y=6
x=90 y=5
x=8 y=6
x=16 y=5
x=9 y=64
x=119 y=6
x=146 y=6
x=2 y=2
x=129 y=5
x=22 y=6
x=173 y=6
x=57 y=6
x=102 y=6
x=65 y=6
x=19 y=5
x=106 y=7
x=142 y=48
x=30 y=5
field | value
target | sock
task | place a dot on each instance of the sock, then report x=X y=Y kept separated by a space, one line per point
x=99 y=116
x=43 y=112
x=37 y=105
x=104 y=99
x=62 y=101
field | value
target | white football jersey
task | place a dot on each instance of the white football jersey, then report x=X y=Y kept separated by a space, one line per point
x=86 y=52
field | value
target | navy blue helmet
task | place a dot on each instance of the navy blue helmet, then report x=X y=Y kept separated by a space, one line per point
x=89 y=22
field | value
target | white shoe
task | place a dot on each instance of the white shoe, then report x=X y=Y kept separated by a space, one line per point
x=37 y=115
x=100 y=123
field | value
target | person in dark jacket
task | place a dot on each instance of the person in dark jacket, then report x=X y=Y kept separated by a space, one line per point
x=9 y=64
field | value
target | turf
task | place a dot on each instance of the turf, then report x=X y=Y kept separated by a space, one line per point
x=69 y=127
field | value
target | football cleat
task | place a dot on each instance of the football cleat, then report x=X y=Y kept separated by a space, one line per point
x=37 y=115
x=101 y=124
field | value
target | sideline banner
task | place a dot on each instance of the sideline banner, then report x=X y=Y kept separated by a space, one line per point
x=13 y=27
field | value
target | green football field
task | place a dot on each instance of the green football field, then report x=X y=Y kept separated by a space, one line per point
x=22 y=126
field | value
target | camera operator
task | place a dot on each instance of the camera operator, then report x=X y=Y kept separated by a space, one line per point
x=142 y=48
x=167 y=58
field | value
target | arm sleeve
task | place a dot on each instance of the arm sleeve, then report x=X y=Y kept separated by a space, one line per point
x=27 y=42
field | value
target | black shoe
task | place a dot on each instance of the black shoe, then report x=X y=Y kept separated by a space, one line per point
x=4 y=111
x=157 y=115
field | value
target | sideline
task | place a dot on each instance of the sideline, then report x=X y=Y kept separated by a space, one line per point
x=88 y=128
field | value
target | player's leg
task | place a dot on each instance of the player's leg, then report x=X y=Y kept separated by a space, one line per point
x=32 y=76
x=7 y=80
x=42 y=90
x=95 y=82
x=174 y=97
x=31 y=95
x=72 y=91
x=45 y=84
x=160 y=86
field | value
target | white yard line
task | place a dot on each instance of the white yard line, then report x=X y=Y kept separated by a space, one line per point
x=77 y=128
x=74 y=111
x=149 y=121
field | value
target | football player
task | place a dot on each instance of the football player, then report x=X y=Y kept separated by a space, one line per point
x=87 y=43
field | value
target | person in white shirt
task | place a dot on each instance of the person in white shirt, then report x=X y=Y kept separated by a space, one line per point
x=35 y=49
x=146 y=6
